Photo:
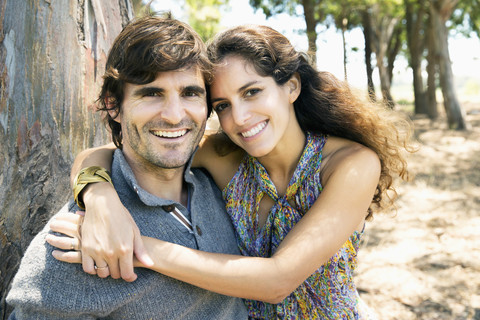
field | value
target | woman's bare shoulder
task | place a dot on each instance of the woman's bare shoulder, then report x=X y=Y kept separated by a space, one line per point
x=341 y=154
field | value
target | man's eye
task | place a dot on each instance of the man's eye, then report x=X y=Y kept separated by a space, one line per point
x=191 y=94
x=152 y=94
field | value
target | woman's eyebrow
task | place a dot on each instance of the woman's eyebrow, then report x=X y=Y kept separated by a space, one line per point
x=246 y=85
x=239 y=90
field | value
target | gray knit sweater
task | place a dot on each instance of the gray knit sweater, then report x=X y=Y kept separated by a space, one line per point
x=45 y=288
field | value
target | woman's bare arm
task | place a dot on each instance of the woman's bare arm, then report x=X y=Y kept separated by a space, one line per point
x=100 y=156
x=336 y=214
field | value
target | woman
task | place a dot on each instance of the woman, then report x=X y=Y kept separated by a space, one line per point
x=307 y=158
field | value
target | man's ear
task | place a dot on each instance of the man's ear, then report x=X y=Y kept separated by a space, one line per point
x=295 y=85
x=110 y=104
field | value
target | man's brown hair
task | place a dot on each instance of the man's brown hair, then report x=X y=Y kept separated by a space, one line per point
x=144 y=48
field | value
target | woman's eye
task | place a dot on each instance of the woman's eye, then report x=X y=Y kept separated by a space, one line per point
x=220 y=107
x=251 y=92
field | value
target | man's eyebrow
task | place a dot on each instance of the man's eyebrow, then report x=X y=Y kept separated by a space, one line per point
x=195 y=88
x=140 y=92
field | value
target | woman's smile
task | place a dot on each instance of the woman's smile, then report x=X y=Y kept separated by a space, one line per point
x=255 y=130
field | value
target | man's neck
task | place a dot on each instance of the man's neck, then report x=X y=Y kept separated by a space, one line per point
x=161 y=182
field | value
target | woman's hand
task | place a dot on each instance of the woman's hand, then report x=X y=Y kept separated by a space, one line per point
x=70 y=225
x=109 y=235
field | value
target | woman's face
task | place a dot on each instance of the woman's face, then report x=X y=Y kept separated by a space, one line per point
x=254 y=111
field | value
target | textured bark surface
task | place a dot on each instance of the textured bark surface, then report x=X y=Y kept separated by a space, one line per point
x=440 y=12
x=52 y=56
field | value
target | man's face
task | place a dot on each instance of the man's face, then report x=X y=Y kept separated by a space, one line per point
x=163 y=121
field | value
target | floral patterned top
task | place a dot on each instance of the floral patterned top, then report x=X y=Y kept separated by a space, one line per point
x=330 y=292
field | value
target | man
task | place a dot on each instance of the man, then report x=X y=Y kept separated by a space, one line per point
x=154 y=92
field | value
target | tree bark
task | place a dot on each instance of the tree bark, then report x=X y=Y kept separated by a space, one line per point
x=394 y=46
x=311 y=22
x=344 y=46
x=383 y=30
x=416 y=48
x=432 y=108
x=367 y=33
x=440 y=12
x=52 y=55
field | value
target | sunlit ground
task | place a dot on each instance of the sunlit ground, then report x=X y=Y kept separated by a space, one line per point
x=424 y=262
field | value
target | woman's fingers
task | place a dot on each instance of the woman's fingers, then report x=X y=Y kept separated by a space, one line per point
x=113 y=267
x=102 y=269
x=126 y=267
x=67 y=224
x=67 y=256
x=64 y=243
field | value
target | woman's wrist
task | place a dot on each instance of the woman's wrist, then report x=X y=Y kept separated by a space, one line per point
x=94 y=190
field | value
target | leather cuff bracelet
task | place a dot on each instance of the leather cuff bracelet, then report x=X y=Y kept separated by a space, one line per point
x=86 y=176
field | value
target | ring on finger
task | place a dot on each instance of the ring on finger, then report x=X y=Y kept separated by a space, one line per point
x=96 y=267
x=73 y=244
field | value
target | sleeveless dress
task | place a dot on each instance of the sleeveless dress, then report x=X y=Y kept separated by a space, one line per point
x=330 y=292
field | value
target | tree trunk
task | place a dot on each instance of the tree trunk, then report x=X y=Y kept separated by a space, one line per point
x=52 y=55
x=432 y=108
x=383 y=31
x=344 y=45
x=416 y=48
x=440 y=12
x=394 y=46
x=367 y=33
x=311 y=22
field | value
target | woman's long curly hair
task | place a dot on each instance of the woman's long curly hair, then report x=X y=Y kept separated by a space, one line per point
x=326 y=105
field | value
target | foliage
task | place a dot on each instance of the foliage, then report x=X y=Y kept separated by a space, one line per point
x=273 y=7
x=140 y=8
x=204 y=16
x=467 y=17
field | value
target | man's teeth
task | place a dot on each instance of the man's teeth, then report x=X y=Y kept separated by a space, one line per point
x=170 y=134
x=254 y=130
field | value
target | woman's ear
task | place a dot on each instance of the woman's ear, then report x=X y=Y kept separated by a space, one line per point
x=295 y=86
x=110 y=104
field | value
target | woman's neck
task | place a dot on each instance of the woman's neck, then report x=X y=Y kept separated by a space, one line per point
x=283 y=160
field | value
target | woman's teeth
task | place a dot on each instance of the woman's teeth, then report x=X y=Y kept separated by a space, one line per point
x=254 y=130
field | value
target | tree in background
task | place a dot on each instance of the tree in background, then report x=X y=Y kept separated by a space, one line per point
x=52 y=56
x=313 y=12
x=204 y=16
x=440 y=13
x=347 y=15
x=142 y=8
x=416 y=14
x=386 y=40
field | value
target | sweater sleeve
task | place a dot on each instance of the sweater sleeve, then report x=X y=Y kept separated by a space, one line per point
x=45 y=288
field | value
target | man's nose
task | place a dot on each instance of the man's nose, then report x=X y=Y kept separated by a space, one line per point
x=173 y=111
